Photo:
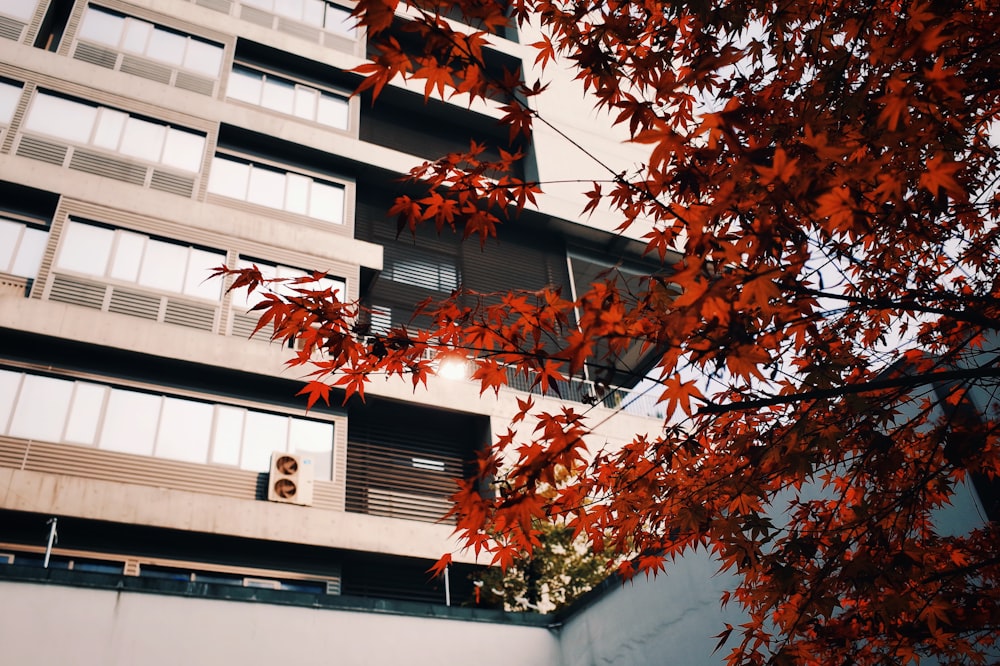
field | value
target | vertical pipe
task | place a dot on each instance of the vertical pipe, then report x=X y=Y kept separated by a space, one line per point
x=447 y=587
x=52 y=538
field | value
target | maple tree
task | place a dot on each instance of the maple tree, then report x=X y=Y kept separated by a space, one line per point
x=821 y=193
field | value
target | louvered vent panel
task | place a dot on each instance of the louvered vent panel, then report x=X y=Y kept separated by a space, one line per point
x=44 y=151
x=109 y=167
x=244 y=324
x=95 y=55
x=141 y=470
x=298 y=29
x=11 y=29
x=145 y=69
x=198 y=84
x=256 y=16
x=172 y=183
x=78 y=292
x=191 y=315
x=218 y=5
x=136 y=304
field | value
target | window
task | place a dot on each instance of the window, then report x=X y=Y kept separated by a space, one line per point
x=135 y=258
x=22 y=10
x=244 y=322
x=142 y=423
x=278 y=189
x=240 y=301
x=127 y=33
x=21 y=247
x=10 y=95
x=288 y=97
x=117 y=131
x=325 y=15
x=426 y=272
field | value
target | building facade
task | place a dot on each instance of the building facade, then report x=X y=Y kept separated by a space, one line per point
x=143 y=143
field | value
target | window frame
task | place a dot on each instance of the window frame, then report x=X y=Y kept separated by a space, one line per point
x=109 y=384
x=26 y=223
x=347 y=186
x=121 y=49
x=297 y=82
x=109 y=279
x=94 y=129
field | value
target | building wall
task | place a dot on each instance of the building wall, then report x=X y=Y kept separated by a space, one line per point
x=42 y=625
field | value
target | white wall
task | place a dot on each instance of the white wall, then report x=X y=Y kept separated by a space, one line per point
x=45 y=625
x=664 y=621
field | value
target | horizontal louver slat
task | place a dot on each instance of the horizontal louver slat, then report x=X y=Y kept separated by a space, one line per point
x=109 y=167
x=95 y=55
x=11 y=29
x=145 y=69
x=78 y=292
x=136 y=304
x=218 y=5
x=172 y=183
x=256 y=16
x=43 y=151
x=96 y=463
x=243 y=326
x=410 y=480
x=191 y=315
x=298 y=29
x=194 y=83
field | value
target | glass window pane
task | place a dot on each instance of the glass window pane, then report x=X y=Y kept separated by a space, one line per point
x=196 y=281
x=267 y=187
x=19 y=9
x=183 y=150
x=130 y=422
x=227 y=435
x=203 y=58
x=41 y=408
x=137 y=35
x=10 y=236
x=9 y=383
x=241 y=300
x=338 y=20
x=326 y=202
x=278 y=95
x=244 y=85
x=85 y=413
x=263 y=434
x=128 y=256
x=60 y=117
x=143 y=139
x=286 y=288
x=85 y=249
x=30 y=253
x=163 y=266
x=313 y=12
x=315 y=440
x=102 y=27
x=185 y=429
x=333 y=111
x=297 y=194
x=110 y=124
x=305 y=102
x=10 y=95
x=166 y=46
x=290 y=8
x=229 y=178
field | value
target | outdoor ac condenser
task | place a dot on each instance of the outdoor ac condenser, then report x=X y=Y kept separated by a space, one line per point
x=291 y=479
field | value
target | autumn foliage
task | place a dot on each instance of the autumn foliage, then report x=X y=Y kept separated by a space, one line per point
x=821 y=193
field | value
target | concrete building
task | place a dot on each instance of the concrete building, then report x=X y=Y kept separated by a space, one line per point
x=143 y=142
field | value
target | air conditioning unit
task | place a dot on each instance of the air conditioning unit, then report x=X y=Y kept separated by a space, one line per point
x=291 y=479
